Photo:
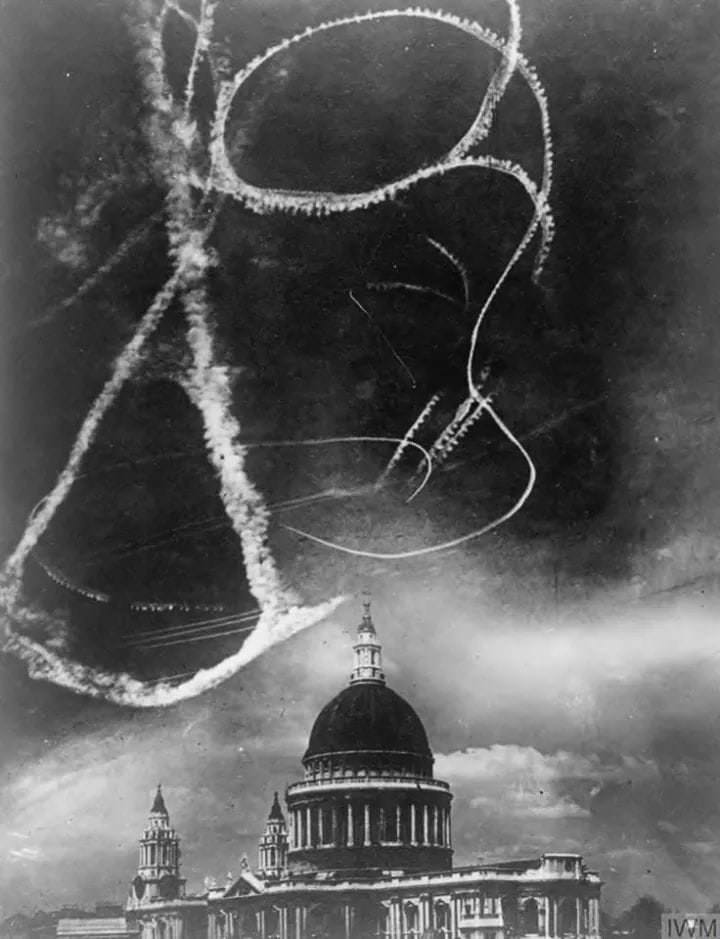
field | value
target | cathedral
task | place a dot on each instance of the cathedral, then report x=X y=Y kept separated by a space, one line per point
x=363 y=849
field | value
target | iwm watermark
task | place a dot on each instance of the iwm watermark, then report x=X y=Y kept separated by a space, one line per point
x=690 y=926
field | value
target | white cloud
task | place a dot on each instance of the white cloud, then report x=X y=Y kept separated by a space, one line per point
x=503 y=761
x=522 y=782
x=25 y=854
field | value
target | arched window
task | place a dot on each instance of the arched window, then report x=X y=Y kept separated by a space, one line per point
x=442 y=917
x=411 y=920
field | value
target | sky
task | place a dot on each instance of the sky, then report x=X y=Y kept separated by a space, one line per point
x=564 y=663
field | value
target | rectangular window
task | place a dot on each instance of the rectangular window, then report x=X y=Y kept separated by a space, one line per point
x=358 y=824
x=314 y=826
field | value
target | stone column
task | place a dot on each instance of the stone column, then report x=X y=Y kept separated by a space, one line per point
x=436 y=825
x=348 y=920
x=395 y=925
x=334 y=822
x=366 y=826
x=321 y=827
x=426 y=825
x=578 y=917
x=308 y=826
x=398 y=823
x=350 y=832
x=413 y=832
x=426 y=922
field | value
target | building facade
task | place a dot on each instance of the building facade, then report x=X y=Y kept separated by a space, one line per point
x=364 y=850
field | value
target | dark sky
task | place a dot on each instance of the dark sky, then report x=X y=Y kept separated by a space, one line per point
x=566 y=663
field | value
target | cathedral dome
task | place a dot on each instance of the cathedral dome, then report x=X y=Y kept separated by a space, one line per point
x=369 y=799
x=368 y=717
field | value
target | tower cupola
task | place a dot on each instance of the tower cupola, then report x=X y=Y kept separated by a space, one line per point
x=367 y=651
x=272 y=853
x=158 y=874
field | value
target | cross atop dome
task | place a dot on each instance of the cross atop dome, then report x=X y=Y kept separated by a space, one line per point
x=367 y=650
x=366 y=624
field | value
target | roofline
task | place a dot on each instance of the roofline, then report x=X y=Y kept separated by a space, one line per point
x=426 y=755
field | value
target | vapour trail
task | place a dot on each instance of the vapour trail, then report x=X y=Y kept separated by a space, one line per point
x=385 y=286
x=195 y=625
x=214 y=522
x=267 y=199
x=125 y=366
x=203 y=637
x=121 y=688
x=390 y=346
x=408 y=440
x=280 y=618
x=59 y=578
x=459 y=267
x=322 y=441
x=454 y=542
x=135 y=237
x=207 y=382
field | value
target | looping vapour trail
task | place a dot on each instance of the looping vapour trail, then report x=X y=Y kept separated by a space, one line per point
x=176 y=142
x=454 y=542
x=62 y=580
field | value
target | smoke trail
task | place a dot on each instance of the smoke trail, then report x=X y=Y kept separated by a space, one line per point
x=407 y=440
x=121 y=688
x=459 y=267
x=454 y=542
x=390 y=346
x=185 y=639
x=135 y=237
x=125 y=366
x=174 y=137
x=387 y=285
x=196 y=626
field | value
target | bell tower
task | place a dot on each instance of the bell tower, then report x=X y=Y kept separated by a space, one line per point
x=272 y=854
x=158 y=875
